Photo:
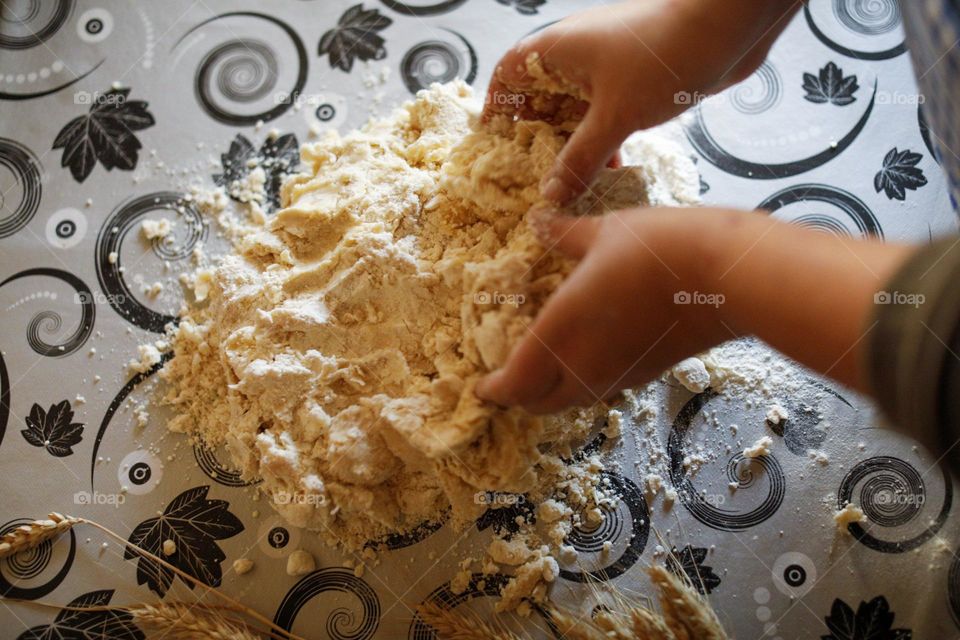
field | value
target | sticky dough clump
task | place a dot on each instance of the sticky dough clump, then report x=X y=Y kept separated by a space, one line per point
x=338 y=348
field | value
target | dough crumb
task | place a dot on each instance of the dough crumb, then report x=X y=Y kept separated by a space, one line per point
x=692 y=374
x=849 y=514
x=156 y=229
x=242 y=566
x=777 y=415
x=759 y=448
x=300 y=563
x=169 y=547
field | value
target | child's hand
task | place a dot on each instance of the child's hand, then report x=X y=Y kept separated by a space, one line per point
x=613 y=323
x=639 y=63
x=655 y=286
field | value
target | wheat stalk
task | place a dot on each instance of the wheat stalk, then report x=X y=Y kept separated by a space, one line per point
x=685 y=611
x=27 y=536
x=452 y=625
x=179 y=622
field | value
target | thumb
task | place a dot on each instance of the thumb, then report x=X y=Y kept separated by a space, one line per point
x=571 y=235
x=591 y=146
x=529 y=375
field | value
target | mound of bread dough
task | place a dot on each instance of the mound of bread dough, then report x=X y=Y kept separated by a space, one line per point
x=337 y=349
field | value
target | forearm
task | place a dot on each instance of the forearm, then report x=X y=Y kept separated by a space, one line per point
x=806 y=293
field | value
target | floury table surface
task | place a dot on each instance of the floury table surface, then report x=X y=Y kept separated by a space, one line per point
x=820 y=135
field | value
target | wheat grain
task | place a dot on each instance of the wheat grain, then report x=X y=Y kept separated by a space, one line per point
x=685 y=612
x=181 y=622
x=454 y=626
x=27 y=536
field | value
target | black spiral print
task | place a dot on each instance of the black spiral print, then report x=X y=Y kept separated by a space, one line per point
x=109 y=242
x=420 y=10
x=630 y=523
x=4 y=398
x=50 y=321
x=243 y=71
x=738 y=469
x=437 y=61
x=217 y=471
x=886 y=54
x=341 y=624
x=25 y=169
x=29 y=25
x=868 y=17
x=747 y=100
x=862 y=217
x=708 y=148
x=24 y=567
x=892 y=493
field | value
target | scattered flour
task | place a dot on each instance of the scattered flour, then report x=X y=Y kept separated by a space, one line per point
x=156 y=229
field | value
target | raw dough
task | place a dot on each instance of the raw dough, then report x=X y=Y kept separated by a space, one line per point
x=338 y=349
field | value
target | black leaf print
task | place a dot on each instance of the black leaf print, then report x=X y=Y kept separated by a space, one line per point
x=53 y=429
x=104 y=134
x=900 y=172
x=101 y=624
x=277 y=157
x=689 y=563
x=872 y=621
x=830 y=86
x=502 y=516
x=525 y=7
x=355 y=36
x=193 y=523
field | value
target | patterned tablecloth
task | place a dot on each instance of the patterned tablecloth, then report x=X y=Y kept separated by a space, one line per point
x=110 y=110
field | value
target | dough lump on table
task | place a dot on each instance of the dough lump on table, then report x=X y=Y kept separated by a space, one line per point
x=338 y=348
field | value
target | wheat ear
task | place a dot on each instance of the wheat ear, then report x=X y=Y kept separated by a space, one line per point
x=179 y=622
x=684 y=610
x=453 y=626
x=27 y=536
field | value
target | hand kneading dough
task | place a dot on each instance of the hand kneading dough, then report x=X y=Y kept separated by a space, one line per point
x=339 y=347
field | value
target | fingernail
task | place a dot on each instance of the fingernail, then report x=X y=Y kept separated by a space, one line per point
x=556 y=190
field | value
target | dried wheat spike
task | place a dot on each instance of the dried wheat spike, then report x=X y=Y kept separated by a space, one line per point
x=28 y=536
x=686 y=613
x=181 y=622
x=450 y=625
